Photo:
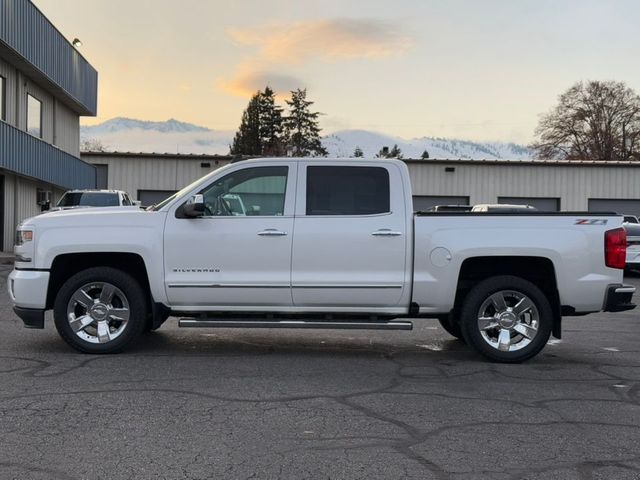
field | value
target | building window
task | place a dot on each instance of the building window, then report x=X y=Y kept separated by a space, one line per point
x=34 y=116
x=3 y=99
x=347 y=190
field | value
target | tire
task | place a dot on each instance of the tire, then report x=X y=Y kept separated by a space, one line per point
x=451 y=326
x=507 y=319
x=100 y=310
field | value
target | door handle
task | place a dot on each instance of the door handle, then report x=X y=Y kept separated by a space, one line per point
x=272 y=232
x=386 y=232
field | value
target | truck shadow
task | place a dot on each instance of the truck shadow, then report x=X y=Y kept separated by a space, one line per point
x=238 y=342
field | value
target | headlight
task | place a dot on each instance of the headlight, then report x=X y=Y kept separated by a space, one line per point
x=23 y=236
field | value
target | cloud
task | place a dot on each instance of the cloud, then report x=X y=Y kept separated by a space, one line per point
x=248 y=81
x=330 y=39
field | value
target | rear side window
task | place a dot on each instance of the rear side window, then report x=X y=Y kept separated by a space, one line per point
x=333 y=190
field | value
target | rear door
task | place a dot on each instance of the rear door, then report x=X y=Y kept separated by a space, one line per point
x=350 y=241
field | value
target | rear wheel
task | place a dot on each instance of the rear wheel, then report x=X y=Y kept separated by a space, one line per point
x=507 y=319
x=100 y=310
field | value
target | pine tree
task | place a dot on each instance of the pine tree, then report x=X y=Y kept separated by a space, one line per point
x=358 y=152
x=301 y=127
x=383 y=153
x=247 y=138
x=395 y=152
x=425 y=155
x=271 y=125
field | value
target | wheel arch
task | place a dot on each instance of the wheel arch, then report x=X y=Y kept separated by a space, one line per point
x=538 y=270
x=66 y=265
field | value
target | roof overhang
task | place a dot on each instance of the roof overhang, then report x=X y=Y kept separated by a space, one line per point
x=30 y=42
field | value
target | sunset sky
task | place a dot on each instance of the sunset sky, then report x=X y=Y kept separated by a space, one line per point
x=472 y=69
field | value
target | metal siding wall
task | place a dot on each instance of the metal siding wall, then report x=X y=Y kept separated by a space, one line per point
x=26 y=206
x=9 y=221
x=131 y=173
x=484 y=183
x=67 y=130
x=29 y=156
x=29 y=33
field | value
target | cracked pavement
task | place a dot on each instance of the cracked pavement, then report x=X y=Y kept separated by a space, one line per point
x=236 y=404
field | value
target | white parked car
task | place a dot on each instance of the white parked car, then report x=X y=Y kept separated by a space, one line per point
x=94 y=198
x=633 y=245
x=503 y=208
x=317 y=243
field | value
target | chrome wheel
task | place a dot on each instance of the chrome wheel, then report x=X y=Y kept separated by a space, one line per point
x=98 y=312
x=508 y=320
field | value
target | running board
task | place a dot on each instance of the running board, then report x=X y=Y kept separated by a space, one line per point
x=328 y=324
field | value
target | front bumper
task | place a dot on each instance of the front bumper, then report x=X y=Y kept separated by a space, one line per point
x=32 y=317
x=618 y=298
x=28 y=292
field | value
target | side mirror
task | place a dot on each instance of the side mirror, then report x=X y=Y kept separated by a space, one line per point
x=194 y=206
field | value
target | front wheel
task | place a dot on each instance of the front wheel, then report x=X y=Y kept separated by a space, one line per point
x=100 y=310
x=507 y=319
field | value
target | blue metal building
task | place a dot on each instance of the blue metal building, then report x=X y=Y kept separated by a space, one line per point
x=46 y=85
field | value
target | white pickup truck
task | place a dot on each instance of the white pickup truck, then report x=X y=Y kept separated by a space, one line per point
x=318 y=243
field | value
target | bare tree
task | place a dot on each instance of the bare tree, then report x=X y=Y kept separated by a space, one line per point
x=592 y=121
x=92 y=145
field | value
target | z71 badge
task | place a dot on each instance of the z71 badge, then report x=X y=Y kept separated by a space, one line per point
x=595 y=221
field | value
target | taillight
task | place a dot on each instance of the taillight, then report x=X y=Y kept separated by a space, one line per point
x=615 y=248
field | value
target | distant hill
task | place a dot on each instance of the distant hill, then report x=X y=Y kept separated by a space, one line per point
x=343 y=143
x=122 y=124
x=173 y=136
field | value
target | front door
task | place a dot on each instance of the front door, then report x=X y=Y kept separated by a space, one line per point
x=351 y=236
x=239 y=251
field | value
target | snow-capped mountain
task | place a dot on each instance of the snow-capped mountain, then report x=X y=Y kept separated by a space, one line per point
x=343 y=144
x=130 y=135
x=173 y=136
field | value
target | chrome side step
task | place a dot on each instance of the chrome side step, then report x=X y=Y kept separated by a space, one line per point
x=319 y=324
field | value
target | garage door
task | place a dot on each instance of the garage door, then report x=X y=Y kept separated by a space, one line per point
x=102 y=176
x=422 y=203
x=629 y=207
x=544 y=204
x=152 y=197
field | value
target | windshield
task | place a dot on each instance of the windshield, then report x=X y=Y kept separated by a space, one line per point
x=89 y=199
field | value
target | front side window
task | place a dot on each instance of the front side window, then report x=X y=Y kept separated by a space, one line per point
x=3 y=99
x=258 y=191
x=34 y=116
x=347 y=190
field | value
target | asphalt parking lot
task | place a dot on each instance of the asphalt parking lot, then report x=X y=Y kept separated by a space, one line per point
x=233 y=404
